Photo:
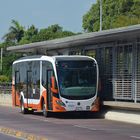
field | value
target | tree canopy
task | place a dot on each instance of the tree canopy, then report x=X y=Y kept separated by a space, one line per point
x=18 y=34
x=116 y=13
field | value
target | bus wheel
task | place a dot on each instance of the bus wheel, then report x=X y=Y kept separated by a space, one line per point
x=22 y=108
x=45 y=113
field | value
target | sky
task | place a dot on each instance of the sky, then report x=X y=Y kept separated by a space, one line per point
x=43 y=13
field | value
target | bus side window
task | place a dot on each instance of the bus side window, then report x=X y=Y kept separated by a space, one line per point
x=34 y=79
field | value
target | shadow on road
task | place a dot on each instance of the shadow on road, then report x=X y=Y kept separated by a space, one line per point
x=74 y=115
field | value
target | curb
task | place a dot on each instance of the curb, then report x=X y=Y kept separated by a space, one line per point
x=20 y=134
x=123 y=116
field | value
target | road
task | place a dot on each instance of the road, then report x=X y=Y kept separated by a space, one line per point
x=67 y=127
x=6 y=137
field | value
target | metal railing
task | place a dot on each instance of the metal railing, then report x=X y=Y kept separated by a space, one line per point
x=5 y=88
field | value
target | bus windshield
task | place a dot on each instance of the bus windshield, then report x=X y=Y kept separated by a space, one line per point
x=77 y=79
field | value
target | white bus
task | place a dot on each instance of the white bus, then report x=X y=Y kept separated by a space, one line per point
x=55 y=84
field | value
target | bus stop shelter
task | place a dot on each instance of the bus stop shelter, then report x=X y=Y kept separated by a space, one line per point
x=117 y=52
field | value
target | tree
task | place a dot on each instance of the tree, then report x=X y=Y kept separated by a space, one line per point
x=19 y=35
x=3 y=78
x=54 y=28
x=16 y=32
x=52 y=32
x=8 y=59
x=116 y=13
x=29 y=35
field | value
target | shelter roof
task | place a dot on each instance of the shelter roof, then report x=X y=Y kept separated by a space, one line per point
x=80 y=40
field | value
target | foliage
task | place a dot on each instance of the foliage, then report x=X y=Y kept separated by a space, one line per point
x=16 y=32
x=35 y=35
x=7 y=44
x=4 y=78
x=116 y=13
x=8 y=59
x=18 y=35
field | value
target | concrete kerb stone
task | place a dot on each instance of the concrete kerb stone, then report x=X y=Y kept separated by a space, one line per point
x=123 y=116
x=20 y=134
x=122 y=111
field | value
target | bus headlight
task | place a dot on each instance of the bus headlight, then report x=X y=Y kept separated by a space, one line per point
x=59 y=102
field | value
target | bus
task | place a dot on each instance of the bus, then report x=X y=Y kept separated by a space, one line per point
x=55 y=84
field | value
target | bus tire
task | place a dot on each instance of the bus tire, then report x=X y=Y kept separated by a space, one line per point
x=22 y=108
x=45 y=113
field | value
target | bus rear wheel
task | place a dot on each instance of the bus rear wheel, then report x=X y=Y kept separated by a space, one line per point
x=45 y=113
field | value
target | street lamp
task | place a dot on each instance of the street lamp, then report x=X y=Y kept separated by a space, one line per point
x=100 y=15
x=1 y=59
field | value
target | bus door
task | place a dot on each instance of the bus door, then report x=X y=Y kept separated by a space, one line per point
x=49 y=93
x=16 y=93
x=29 y=88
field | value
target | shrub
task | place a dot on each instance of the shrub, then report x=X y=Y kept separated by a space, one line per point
x=3 y=78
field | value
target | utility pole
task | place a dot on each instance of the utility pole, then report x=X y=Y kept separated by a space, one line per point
x=1 y=55
x=100 y=15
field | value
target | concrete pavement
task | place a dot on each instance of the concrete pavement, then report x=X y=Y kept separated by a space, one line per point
x=123 y=115
x=122 y=111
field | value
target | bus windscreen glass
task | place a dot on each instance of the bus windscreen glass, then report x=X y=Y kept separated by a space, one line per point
x=77 y=79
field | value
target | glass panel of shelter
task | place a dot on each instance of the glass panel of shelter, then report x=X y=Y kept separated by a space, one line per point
x=123 y=82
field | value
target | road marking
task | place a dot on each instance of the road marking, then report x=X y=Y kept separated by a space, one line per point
x=95 y=129
x=20 y=134
x=35 y=118
x=85 y=127
x=136 y=137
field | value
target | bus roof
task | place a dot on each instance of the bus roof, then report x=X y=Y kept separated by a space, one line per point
x=53 y=58
x=72 y=57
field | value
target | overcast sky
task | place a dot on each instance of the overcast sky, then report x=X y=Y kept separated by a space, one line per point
x=42 y=13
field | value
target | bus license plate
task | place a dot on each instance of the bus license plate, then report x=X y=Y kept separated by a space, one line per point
x=78 y=108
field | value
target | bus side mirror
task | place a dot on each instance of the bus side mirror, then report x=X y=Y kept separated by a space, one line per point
x=54 y=88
